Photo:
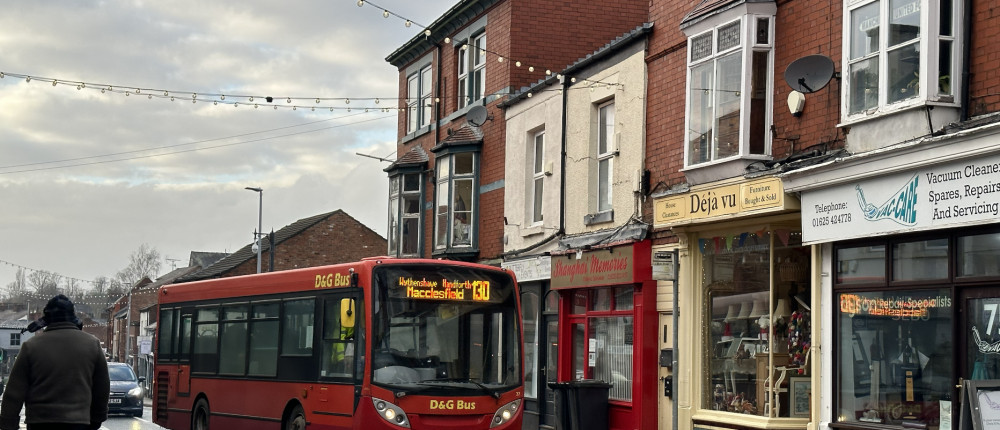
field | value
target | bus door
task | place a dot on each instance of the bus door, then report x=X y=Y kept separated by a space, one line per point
x=342 y=357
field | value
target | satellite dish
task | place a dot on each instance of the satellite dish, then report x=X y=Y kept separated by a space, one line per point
x=477 y=115
x=809 y=74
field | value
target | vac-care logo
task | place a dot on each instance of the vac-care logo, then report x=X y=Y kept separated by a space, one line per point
x=901 y=207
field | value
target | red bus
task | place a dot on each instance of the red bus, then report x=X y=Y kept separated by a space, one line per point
x=382 y=343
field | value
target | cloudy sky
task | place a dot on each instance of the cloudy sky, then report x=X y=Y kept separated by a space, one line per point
x=87 y=176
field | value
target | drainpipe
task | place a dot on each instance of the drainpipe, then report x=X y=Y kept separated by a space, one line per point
x=675 y=369
x=562 y=159
x=967 y=52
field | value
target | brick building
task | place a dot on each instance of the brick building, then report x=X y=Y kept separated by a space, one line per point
x=447 y=186
x=329 y=238
x=784 y=202
x=797 y=156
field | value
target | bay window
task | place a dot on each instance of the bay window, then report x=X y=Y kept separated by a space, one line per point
x=729 y=86
x=912 y=62
x=405 y=215
x=454 y=213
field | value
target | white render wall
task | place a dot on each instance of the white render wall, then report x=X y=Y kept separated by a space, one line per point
x=627 y=70
x=543 y=111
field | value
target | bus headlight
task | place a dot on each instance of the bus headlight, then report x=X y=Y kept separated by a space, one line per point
x=391 y=413
x=505 y=413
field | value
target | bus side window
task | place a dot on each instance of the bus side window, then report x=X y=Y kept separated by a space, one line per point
x=340 y=326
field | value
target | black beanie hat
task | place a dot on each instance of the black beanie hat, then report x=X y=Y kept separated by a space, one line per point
x=58 y=309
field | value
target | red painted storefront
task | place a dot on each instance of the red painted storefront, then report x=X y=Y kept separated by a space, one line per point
x=607 y=314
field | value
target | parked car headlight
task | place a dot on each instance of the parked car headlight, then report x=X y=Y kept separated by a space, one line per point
x=135 y=392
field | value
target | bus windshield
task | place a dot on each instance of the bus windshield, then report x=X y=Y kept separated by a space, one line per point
x=445 y=329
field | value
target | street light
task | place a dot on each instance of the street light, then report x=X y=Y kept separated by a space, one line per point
x=260 y=212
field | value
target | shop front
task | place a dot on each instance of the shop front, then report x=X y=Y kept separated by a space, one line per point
x=539 y=307
x=913 y=257
x=607 y=328
x=745 y=299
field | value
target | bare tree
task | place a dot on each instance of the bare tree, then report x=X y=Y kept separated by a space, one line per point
x=143 y=263
x=104 y=292
x=43 y=283
x=17 y=288
x=73 y=289
x=100 y=285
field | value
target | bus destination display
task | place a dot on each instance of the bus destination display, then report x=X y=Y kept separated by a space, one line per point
x=446 y=289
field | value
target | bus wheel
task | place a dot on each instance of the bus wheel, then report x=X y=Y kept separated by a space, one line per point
x=296 y=419
x=199 y=416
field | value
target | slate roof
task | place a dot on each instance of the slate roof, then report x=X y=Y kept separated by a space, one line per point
x=416 y=156
x=14 y=320
x=467 y=134
x=246 y=253
x=205 y=259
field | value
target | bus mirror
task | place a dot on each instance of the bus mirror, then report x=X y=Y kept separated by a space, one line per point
x=347 y=313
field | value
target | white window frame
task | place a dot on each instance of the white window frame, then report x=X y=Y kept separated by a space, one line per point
x=755 y=51
x=398 y=215
x=606 y=150
x=927 y=43
x=471 y=70
x=419 y=105
x=449 y=231
x=537 y=177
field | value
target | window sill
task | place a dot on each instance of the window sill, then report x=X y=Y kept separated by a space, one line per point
x=717 y=170
x=419 y=132
x=599 y=218
x=464 y=254
x=532 y=230
x=895 y=109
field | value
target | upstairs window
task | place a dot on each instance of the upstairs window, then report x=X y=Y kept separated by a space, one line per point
x=472 y=71
x=729 y=87
x=538 y=176
x=405 y=195
x=418 y=99
x=606 y=151
x=455 y=217
x=907 y=65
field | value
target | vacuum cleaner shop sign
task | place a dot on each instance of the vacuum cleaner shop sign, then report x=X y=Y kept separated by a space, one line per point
x=936 y=197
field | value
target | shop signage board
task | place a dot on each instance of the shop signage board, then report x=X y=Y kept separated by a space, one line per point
x=609 y=266
x=726 y=200
x=530 y=269
x=941 y=196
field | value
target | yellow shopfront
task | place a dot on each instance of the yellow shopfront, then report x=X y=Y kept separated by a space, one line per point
x=745 y=300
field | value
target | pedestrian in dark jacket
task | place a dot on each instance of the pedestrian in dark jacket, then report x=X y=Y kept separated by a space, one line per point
x=60 y=376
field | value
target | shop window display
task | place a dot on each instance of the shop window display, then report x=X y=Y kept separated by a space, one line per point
x=894 y=352
x=758 y=336
x=894 y=340
x=603 y=344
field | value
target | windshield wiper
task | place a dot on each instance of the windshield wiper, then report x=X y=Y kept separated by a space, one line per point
x=487 y=390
